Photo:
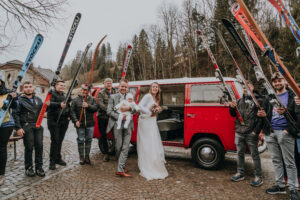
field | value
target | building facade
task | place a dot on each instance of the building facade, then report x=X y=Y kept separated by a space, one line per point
x=40 y=77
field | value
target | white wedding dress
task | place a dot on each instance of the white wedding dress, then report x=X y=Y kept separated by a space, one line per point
x=151 y=158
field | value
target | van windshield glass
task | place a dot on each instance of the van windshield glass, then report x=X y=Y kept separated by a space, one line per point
x=239 y=88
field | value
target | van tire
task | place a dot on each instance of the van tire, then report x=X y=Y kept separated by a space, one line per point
x=214 y=153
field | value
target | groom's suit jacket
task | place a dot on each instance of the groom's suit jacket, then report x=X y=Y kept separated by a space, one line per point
x=113 y=114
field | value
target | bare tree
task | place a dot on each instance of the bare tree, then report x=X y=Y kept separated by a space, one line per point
x=27 y=16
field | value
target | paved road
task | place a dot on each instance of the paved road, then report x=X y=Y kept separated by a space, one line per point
x=185 y=180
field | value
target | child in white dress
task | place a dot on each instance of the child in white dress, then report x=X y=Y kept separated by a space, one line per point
x=128 y=102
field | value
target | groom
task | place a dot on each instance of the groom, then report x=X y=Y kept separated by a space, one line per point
x=122 y=136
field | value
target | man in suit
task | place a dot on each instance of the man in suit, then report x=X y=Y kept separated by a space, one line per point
x=122 y=136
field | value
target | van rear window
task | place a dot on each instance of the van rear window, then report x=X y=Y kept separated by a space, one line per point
x=209 y=93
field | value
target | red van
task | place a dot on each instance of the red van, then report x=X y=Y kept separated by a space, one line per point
x=194 y=116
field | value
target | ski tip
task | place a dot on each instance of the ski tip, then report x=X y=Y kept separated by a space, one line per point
x=89 y=45
x=225 y=21
x=39 y=35
x=78 y=14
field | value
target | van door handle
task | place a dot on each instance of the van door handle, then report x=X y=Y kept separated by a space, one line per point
x=190 y=115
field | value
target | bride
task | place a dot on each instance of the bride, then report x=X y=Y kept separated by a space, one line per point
x=151 y=158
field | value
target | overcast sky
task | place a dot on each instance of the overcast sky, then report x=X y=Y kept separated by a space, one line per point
x=119 y=19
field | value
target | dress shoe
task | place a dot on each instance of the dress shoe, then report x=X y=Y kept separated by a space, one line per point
x=2 y=179
x=40 y=172
x=52 y=166
x=123 y=174
x=61 y=162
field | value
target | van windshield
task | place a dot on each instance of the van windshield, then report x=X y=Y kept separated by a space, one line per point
x=239 y=88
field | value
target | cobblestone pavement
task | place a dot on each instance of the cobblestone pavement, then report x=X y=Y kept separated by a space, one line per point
x=185 y=180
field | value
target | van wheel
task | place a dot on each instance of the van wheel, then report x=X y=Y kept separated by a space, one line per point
x=208 y=153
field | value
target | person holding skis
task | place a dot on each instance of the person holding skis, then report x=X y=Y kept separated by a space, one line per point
x=25 y=115
x=103 y=97
x=57 y=128
x=280 y=137
x=85 y=127
x=247 y=135
x=6 y=129
x=297 y=142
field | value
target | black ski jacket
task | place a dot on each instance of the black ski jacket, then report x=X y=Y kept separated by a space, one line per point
x=26 y=112
x=248 y=111
x=88 y=116
x=291 y=107
x=54 y=108
x=3 y=89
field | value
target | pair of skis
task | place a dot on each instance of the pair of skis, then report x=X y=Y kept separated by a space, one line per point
x=260 y=76
x=33 y=51
x=287 y=17
x=240 y=74
x=59 y=67
x=289 y=20
x=126 y=62
x=226 y=88
x=245 y=18
x=74 y=81
x=91 y=77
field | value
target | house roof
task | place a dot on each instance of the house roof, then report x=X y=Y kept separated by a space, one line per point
x=17 y=62
x=48 y=74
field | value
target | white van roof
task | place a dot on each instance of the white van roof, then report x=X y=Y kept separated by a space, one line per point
x=174 y=81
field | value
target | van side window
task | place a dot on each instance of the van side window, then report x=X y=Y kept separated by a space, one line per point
x=209 y=93
x=173 y=94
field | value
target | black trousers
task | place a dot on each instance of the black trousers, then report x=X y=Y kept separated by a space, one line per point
x=57 y=133
x=102 y=124
x=4 y=137
x=33 y=139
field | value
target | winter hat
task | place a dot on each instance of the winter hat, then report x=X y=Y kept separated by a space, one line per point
x=129 y=96
x=276 y=75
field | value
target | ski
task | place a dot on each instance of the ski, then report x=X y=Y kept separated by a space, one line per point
x=244 y=17
x=126 y=62
x=33 y=51
x=91 y=75
x=253 y=60
x=226 y=88
x=240 y=75
x=75 y=82
x=287 y=17
x=59 y=67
